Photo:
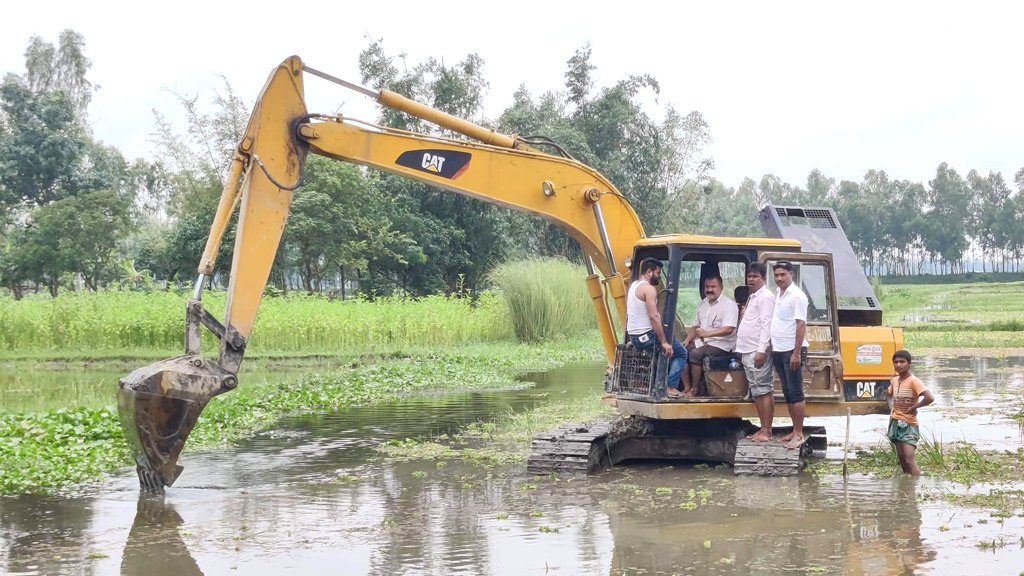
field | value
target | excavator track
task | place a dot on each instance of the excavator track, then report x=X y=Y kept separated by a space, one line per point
x=594 y=446
x=573 y=449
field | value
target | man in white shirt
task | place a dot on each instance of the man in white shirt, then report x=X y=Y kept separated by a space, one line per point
x=789 y=326
x=752 y=342
x=713 y=332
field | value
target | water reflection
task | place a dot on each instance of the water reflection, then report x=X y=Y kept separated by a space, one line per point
x=44 y=535
x=34 y=386
x=155 y=545
x=771 y=526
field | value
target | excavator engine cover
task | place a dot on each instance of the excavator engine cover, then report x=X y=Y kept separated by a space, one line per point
x=159 y=405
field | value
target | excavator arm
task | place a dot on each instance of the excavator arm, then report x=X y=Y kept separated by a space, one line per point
x=160 y=404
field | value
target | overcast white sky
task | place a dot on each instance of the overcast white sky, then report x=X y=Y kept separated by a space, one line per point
x=843 y=87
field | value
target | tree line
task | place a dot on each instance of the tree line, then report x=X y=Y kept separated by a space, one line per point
x=75 y=214
x=951 y=225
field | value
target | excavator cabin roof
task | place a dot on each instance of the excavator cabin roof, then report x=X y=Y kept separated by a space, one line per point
x=780 y=244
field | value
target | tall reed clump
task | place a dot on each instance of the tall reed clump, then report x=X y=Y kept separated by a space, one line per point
x=546 y=298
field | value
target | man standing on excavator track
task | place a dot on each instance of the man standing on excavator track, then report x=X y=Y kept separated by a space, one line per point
x=753 y=341
x=789 y=347
x=643 y=322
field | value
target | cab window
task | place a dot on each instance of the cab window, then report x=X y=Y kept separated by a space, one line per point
x=733 y=274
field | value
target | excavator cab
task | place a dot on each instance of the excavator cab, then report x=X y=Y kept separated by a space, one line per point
x=715 y=425
x=640 y=377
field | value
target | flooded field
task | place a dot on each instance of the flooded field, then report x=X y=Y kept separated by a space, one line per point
x=314 y=496
x=28 y=386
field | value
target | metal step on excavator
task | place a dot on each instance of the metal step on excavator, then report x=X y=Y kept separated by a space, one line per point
x=161 y=404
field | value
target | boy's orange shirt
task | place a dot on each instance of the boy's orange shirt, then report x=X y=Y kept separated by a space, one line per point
x=905 y=395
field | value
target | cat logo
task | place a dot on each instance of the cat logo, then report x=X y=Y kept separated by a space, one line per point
x=448 y=164
x=865 y=389
x=432 y=162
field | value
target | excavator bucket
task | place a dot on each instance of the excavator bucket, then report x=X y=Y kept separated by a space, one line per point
x=159 y=405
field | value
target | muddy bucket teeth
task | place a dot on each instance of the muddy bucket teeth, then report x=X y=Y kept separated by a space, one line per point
x=159 y=405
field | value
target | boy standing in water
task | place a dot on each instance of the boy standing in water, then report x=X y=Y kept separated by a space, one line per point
x=906 y=394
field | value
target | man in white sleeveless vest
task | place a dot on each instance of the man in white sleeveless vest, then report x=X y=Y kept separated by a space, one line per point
x=643 y=322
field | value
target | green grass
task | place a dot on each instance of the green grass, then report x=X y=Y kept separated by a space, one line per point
x=545 y=298
x=472 y=368
x=537 y=300
x=968 y=278
x=518 y=428
x=45 y=385
x=133 y=322
x=998 y=498
x=956 y=461
x=979 y=315
x=1015 y=409
x=46 y=451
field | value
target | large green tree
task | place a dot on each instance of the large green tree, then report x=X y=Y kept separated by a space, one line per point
x=459 y=237
x=341 y=226
x=948 y=200
x=659 y=167
x=74 y=234
x=41 y=146
x=66 y=201
x=181 y=189
x=60 y=68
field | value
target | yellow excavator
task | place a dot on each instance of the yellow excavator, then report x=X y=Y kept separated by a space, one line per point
x=847 y=367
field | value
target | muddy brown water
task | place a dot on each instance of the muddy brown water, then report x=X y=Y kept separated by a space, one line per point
x=312 y=496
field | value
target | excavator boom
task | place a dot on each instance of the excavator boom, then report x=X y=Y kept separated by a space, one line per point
x=160 y=404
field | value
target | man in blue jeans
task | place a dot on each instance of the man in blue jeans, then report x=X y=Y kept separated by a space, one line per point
x=789 y=347
x=643 y=322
